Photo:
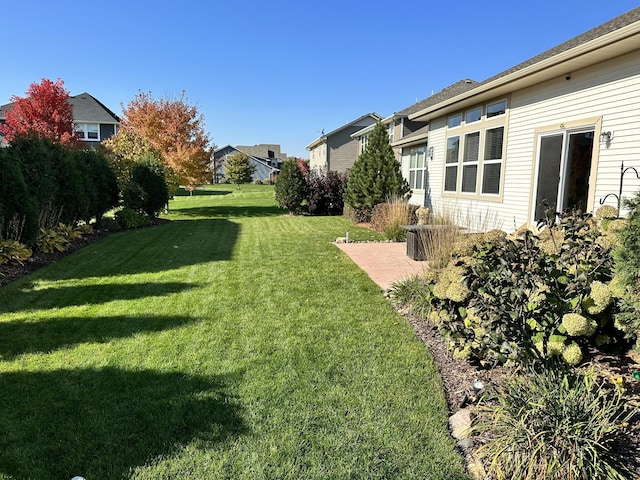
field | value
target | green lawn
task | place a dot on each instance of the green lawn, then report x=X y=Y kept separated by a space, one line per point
x=235 y=342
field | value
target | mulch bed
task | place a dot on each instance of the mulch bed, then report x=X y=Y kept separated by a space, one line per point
x=458 y=377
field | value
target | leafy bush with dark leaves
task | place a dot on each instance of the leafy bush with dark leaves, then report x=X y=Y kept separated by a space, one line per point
x=324 y=192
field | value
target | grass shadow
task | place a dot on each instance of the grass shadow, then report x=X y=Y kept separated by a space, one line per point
x=226 y=211
x=67 y=296
x=149 y=250
x=101 y=423
x=46 y=335
x=181 y=192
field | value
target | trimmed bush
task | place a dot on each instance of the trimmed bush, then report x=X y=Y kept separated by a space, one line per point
x=17 y=205
x=290 y=189
x=129 y=218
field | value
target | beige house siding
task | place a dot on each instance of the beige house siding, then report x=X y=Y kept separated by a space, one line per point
x=318 y=157
x=604 y=97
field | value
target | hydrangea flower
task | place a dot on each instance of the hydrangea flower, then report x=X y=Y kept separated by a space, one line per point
x=598 y=299
x=577 y=325
x=451 y=285
x=572 y=354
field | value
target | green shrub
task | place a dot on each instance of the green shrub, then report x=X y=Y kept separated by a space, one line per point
x=17 y=205
x=13 y=252
x=129 y=219
x=529 y=298
x=627 y=266
x=553 y=425
x=148 y=178
x=290 y=189
x=110 y=224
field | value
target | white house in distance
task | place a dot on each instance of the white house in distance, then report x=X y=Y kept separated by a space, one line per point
x=551 y=132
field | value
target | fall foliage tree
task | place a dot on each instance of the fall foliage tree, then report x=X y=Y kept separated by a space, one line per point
x=45 y=112
x=238 y=168
x=174 y=129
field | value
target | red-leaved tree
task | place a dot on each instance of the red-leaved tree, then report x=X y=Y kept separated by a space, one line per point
x=44 y=111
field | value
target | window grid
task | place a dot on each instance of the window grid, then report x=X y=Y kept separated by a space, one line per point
x=474 y=155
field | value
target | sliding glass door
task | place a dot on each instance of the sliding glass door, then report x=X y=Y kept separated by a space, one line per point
x=564 y=169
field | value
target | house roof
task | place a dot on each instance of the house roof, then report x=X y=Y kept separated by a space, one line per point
x=221 y=152
x=86 y=108
x=419 y=136
x=451 y=91
x=324 y=136
x=613 y=38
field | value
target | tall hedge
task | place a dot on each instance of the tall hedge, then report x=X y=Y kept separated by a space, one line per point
x=16 y=203
x=44 y=181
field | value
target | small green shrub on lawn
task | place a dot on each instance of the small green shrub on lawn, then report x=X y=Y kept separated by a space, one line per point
x=129 y=219
x=553 y=425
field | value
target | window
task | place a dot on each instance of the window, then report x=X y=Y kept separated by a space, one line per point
x=492 y=164
x=473 y=115
x=454 y=120
x=391 y=132
x=470 y=162
x=451 y=164
x=496 y=109
x=474 y=154
x=88 y=131
x=417 y=168
x=364 y=140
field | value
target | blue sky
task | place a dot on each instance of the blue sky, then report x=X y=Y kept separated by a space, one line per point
x=280 y=71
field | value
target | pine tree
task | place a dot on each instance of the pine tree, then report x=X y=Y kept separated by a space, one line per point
x=376 y=175
x=238 y=169
x=291 y=189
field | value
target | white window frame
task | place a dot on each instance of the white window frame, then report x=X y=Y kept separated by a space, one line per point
x=83 y=128
x=391 y=132
x=451 y=165
x=364 y=141
x=415 y=154
x=473 y=111
x=491 y=161
x=462 y=131
x=465 y=164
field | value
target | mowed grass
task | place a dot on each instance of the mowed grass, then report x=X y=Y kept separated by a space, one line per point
x=234 y=342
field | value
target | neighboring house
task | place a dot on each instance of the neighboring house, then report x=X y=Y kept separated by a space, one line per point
x=266 y=158
x=337 y=150
x=551 y=132
x=92 y=119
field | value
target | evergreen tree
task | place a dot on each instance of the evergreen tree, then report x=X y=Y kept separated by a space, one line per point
x=375 y=175
x=291 y=189
x=238 y=169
